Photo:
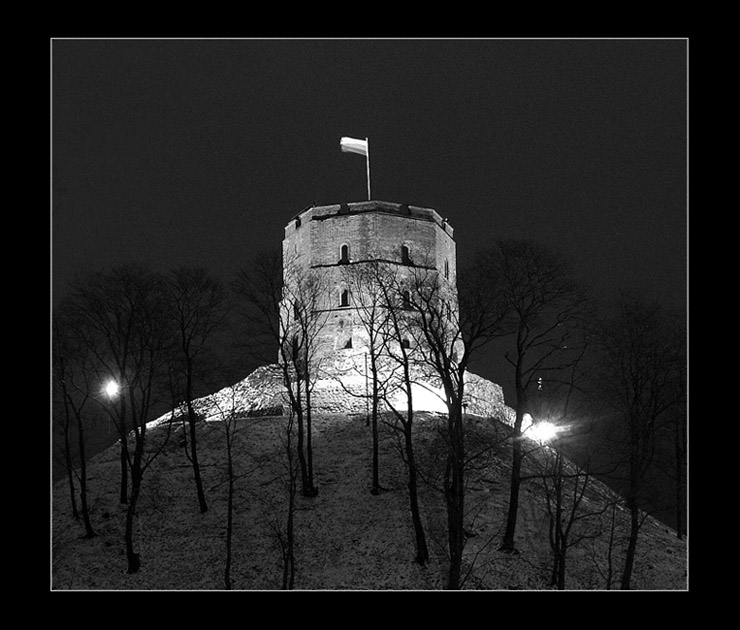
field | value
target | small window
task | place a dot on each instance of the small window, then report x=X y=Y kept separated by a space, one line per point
x=298 y=223
x=344 y=255
x=447 y=270
x=348 y=345
x=296 y=310
x=406 y=299
x=344 y=298
x=405 y=258
x=405 y=343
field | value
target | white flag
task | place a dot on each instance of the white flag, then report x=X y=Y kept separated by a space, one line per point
x=352 y=145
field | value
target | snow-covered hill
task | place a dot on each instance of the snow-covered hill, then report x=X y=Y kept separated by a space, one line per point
x=347 y=538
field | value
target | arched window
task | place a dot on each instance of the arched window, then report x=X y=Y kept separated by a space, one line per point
x=344 y=298
x=405 y=258
x=296 y=345
x=344 y=255
x=406 y=299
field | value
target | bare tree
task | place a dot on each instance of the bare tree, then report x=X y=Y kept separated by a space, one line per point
x=196 y=303
x=545 y=309
x=643 y=358
x=286 y=537
x=224 y=405
x=448 y=337
x=369 y=284
x=563 y=481
x=259 y=289
x=283 y=303
x=397 y=357
x=73 y=380
x=565 y=484
x=303 y=317
x=122 y=324
x=680 y=441
x=674 y=437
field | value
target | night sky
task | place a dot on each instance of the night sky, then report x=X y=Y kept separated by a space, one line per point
x=199 y=152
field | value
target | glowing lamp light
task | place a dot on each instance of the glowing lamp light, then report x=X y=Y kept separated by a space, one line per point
x=112 y=389
x=542 y=431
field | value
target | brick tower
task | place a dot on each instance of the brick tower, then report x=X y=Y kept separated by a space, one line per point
x=326 y=242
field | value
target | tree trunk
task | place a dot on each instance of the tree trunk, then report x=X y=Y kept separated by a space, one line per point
x=123 y=497
x=422 y=551
x=298 y=408
x=289 y=566
x=133 y=559
x=289 y=546
x=69 y=466
x=376 y=475
x=72 y=491
x=636 y=460
x=507 y=543
x=192 y=418
x=309 y=443
x=229 y=521
x=680 y=445
x=454 y=491
x=560 y=582
x=68 y=463
x=89 y=531
x=632 y=544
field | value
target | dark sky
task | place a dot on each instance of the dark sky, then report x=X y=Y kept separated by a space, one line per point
x=199 y=152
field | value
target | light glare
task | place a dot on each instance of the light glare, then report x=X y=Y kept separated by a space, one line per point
x=111 y=389
x=543 y=431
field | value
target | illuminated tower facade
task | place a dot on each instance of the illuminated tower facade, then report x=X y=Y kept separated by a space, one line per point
x=327 y=243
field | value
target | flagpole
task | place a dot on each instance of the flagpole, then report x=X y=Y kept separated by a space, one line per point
x=367 y=159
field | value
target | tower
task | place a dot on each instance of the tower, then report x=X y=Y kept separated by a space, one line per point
x=326 y=243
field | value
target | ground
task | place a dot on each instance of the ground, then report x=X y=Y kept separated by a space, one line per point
x=347 y=538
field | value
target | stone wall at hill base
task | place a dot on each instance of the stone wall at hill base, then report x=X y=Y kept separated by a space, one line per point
x=262 y=393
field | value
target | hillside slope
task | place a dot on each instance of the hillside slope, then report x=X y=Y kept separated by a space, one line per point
x=346 y=537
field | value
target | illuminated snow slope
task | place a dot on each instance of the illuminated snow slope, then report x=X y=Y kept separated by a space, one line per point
x=263 y=393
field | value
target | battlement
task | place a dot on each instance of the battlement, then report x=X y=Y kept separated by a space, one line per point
x=321 y=213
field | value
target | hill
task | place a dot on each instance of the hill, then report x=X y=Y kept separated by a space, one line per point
x=347 y=538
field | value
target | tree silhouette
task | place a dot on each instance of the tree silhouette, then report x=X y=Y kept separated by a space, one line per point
x=196 y=306
x=448 y=337
x=74 y=380
x=284 y=304
x=400 y=359
x=369 y=285
x=122 y=322
x=545 y=310
x=642 y=367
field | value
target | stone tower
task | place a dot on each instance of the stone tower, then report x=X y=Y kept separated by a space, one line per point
x=328 y=241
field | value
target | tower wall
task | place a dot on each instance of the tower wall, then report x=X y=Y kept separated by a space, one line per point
x=327 y=240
